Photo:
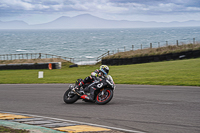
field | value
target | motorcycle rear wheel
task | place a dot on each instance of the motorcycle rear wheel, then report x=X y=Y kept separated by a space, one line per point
x=70 y=98
x=104 y=99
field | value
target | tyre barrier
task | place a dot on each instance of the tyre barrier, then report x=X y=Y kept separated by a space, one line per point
x=74 y=65
x=54 y=65
x=155 y=58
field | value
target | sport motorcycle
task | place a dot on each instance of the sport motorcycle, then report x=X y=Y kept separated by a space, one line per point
x=102 y=95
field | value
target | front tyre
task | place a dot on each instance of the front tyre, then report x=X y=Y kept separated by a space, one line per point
x=105 y=98
x=70 y=97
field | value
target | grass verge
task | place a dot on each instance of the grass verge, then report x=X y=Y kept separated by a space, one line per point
x=179 y=72
x=155 y=51
x=10 y=130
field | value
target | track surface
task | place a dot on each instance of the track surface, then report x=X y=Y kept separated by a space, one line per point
x=151 y=109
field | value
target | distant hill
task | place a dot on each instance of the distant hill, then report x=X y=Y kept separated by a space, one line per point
x=17 y=24
x=87 y=21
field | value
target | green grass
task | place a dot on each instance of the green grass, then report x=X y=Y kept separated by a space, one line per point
x=179 y=72
x=10 y=130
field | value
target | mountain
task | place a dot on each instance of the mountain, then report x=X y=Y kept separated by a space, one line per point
x=16 y=24
x=87 y=21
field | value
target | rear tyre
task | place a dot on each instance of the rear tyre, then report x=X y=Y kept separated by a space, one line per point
x=104 y=99
x=70 y=97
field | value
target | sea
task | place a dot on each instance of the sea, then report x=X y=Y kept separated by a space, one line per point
x=85 y=45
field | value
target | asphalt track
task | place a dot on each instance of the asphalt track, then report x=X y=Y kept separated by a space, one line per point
x=142 y=108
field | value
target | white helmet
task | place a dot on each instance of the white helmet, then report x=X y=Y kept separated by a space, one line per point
x=104 y=69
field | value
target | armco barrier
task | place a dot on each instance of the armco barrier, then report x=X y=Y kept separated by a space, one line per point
x=155 y=58
x=55 y=65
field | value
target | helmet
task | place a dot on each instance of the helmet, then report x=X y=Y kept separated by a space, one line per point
x=104 y=69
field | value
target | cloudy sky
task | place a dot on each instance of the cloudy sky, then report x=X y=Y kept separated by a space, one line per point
x=42 y=11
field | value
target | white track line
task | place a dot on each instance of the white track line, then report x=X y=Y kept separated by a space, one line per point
x=114 y=128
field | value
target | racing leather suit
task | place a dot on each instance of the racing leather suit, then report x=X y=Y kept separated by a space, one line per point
x=94 y=79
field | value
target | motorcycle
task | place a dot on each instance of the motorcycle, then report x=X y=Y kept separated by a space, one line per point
x=102 y=95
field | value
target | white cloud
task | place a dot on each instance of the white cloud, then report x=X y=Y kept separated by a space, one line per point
x=108 y=9
x=17 y=4
x=193 y=9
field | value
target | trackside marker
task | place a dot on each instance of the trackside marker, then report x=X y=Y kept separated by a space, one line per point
x=81 y=128
x=5 y=116
x=40 y=74
x=77 y=122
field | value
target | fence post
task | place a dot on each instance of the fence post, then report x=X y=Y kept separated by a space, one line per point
x=166 y=43
x=124 y=48
x=118 y=50
x=193 y=40
x=150 y=45
x=177 y=42
x=39 y=56
x=132 y=47
x=141 y=46
x=159 y=44
x=108 y=52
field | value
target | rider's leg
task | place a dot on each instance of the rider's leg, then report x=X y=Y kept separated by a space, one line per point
x=86 y=80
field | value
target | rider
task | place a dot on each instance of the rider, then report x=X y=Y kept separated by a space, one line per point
x=97 y=74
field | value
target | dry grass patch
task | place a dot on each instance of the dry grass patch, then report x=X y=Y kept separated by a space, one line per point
x=155 y=51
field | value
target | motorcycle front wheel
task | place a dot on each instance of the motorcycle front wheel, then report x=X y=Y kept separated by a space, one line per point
x=70 y=97
x=105 y=98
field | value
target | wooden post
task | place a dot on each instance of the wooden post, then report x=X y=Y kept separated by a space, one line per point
x=108 y=52
x=132 y=47
x=141 y=46
x=40 y=56
x=124 y=48
x=118 y=50
x=166 y=43
x=177 y=42
x=150 y=45
x=193 y=40
x=159 y=44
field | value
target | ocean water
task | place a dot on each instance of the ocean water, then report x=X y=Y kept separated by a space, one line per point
x=88 y=44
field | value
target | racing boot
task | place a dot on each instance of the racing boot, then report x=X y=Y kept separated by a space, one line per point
x=86 y=97
x=89 y=97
